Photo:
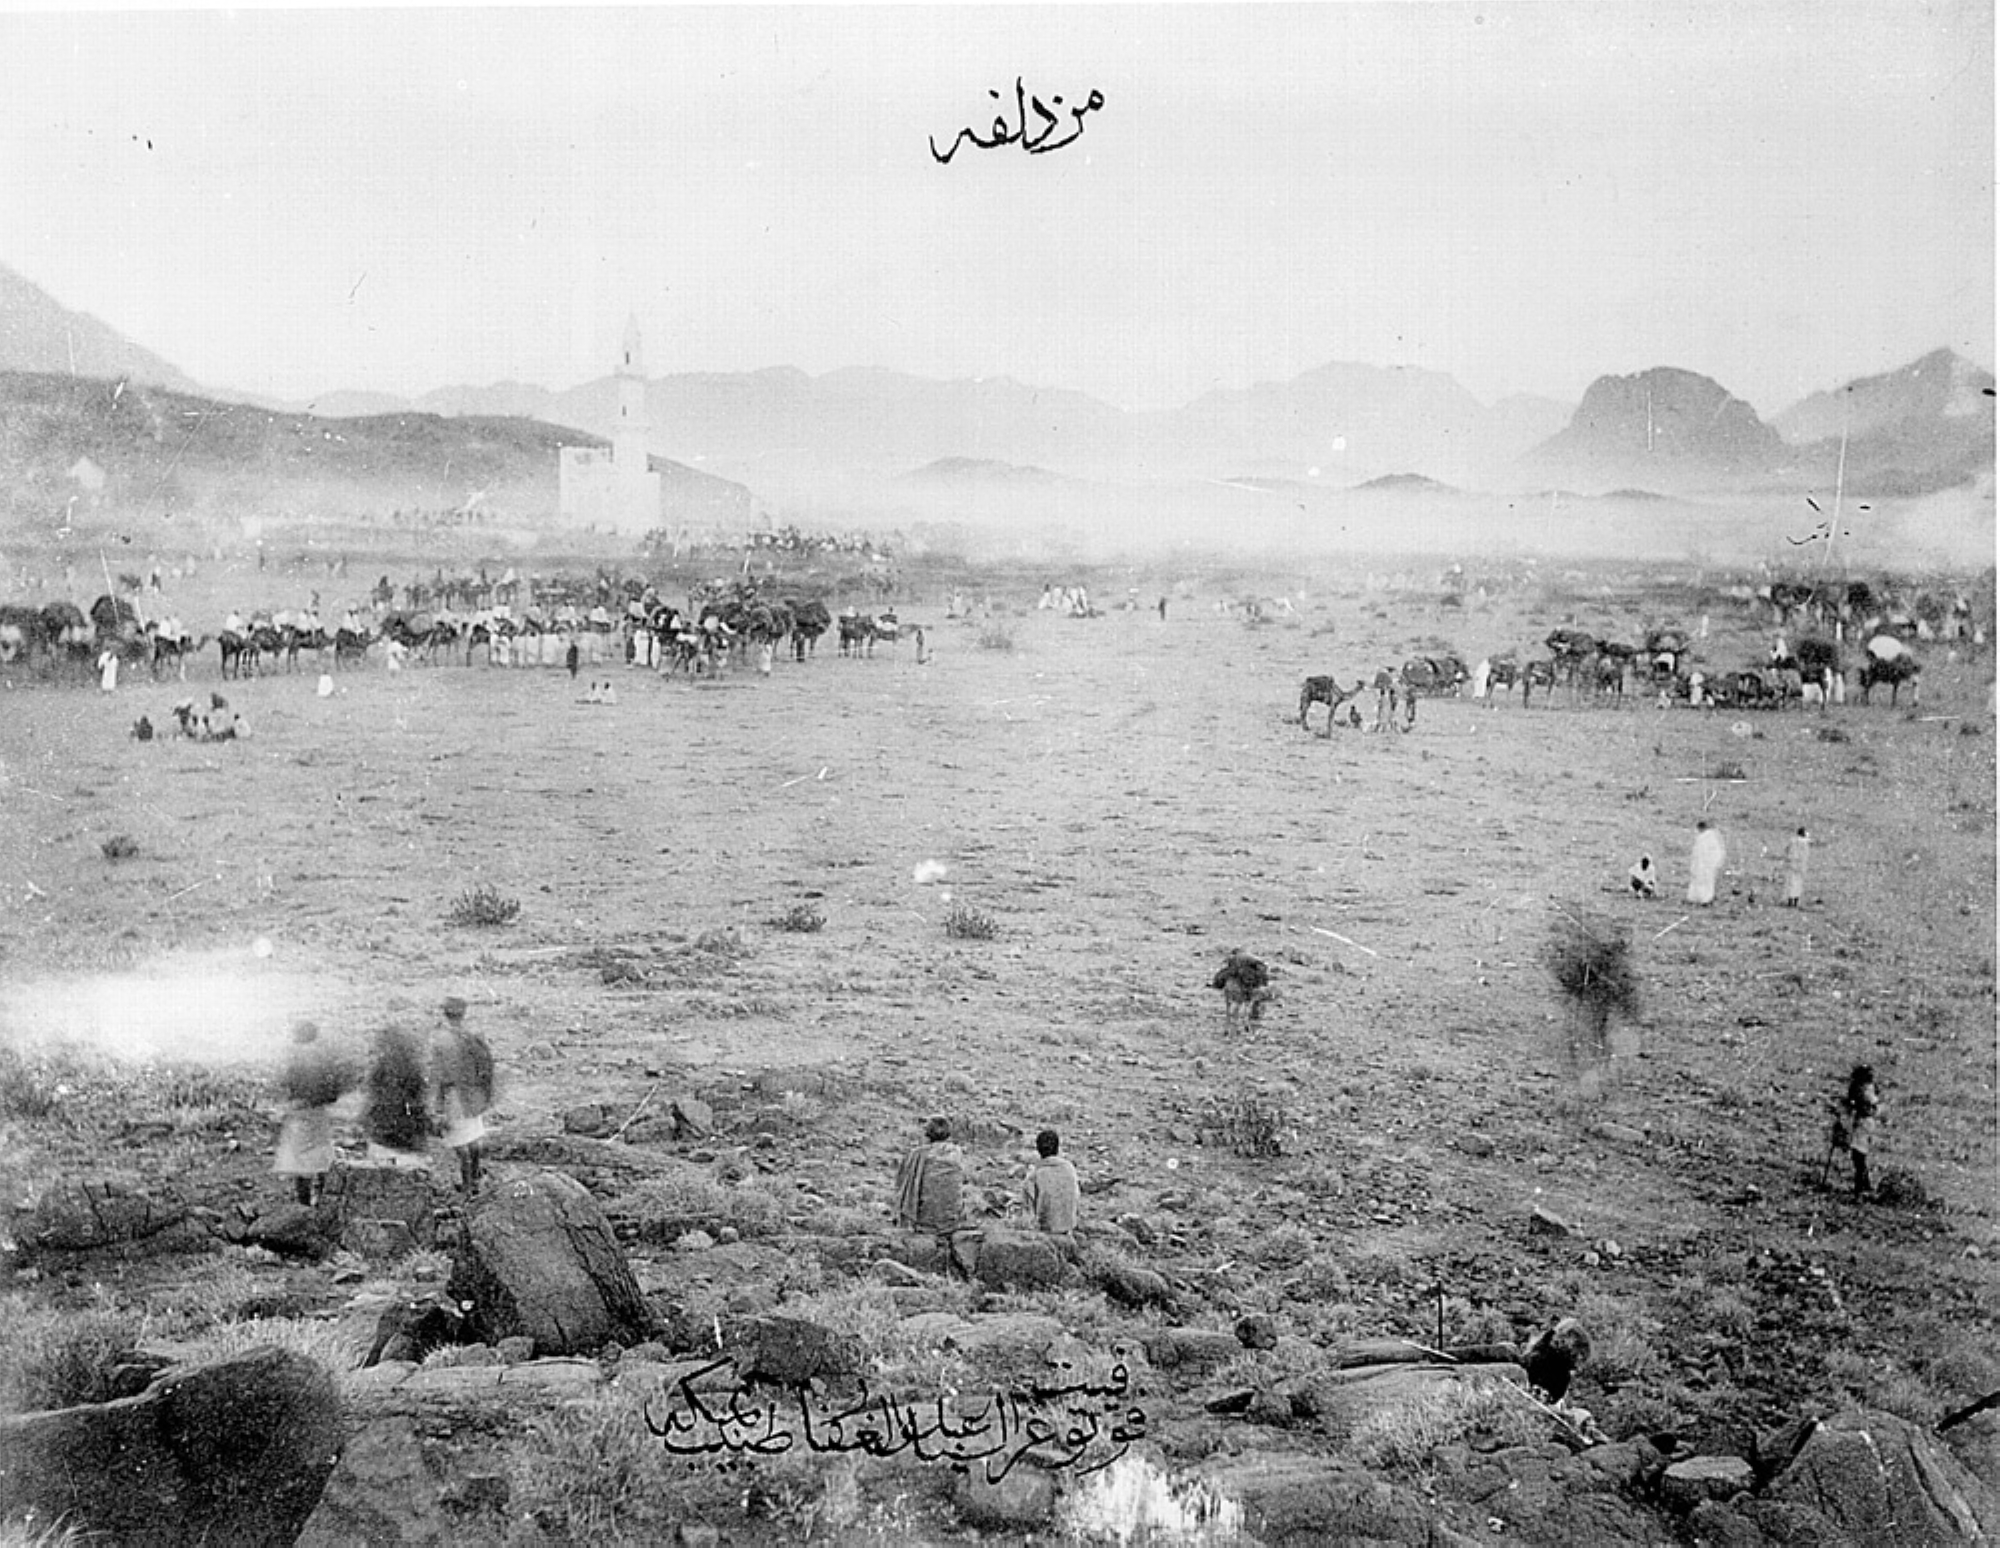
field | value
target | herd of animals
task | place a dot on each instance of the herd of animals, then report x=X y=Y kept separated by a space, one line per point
x=724 y=622
x=1665 y=666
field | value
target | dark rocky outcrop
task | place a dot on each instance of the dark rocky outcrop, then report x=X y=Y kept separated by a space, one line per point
x=234 y=1453
x=539 y=1258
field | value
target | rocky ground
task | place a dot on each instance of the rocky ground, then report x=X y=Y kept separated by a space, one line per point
x=727 y=1002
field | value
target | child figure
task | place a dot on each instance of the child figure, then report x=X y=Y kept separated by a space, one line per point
x=1645 y=880
x=1858 y=1113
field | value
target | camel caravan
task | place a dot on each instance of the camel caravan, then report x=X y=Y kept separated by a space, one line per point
x=725 y=624
x=1664 y=665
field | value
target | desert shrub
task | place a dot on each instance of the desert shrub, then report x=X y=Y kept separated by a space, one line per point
x=1249 y=1124
x=1320 y=1279
x=56 y=1359
x=1728 y=769
x=665 y=1208
x=1589 y=958
x=1624 y=1340
x=1404 y=1437
x=726 y=941
x=1286 y=1247
x=996 y=637
x=1961 y=1369
x=800 y=919
x=969 y=924
x=483 y=904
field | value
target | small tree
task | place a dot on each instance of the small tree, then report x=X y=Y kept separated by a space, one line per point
x=1589 y=958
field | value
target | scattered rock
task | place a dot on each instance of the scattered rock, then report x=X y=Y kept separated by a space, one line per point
x=795 y=1349
x=235 y=1452
x=410 y=1327
x=539 y=1258
x=1546 y=1222
x=1024 y=1498
x=693 y=1118
x=381 y=1241
x=590 y=1119
x=896 y=1275
x=1130 y=1285
x=1018 y=1260
x=105 y=1212
x=1194 y=1349
x=1475 y=1144
x=1257 y=1331
x=516 y=1350
x=1618 y=1133
x=1687 y=1483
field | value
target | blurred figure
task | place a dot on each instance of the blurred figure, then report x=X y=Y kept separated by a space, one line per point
x=1797 y=853
x=464 y=1065
x=1645 y=881
x=396 y=1116
x=313 y=1079
x=1705 y=864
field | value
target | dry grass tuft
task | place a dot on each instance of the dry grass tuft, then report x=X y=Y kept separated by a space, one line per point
x=484 y=904
x=1590 y=959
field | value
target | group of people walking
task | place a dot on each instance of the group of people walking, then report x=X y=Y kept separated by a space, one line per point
x=412 y=1090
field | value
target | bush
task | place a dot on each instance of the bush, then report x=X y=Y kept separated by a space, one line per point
x=55 y=1359
x=995 y=637
x=666 y=1208
x=1249 y=1125
x=1405 y=1438
x=484 y=904
x=800 y=919
x=1589 y=960
x=968 y=924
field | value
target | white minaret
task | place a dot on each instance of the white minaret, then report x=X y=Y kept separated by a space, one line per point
x=628 y=437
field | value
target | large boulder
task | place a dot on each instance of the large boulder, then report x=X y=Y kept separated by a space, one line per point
x=1877 y=1479
x=234 y=1453
x=539 y=1259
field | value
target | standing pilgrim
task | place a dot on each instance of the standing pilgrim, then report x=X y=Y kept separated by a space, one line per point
x=1705 y=863
x=107 y=669
x=396 y=1116
x=312 y=1081
x=1797 y=852
x=465 y=1090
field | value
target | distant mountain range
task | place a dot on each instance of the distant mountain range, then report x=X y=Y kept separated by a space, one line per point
x=849 y=434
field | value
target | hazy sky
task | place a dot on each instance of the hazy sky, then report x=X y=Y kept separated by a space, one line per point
x=1781 y=196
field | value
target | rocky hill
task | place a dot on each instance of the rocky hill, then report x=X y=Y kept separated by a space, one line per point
x=1925 y=427
x=1659 y=429
x=38 y=333
x=126 y=447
